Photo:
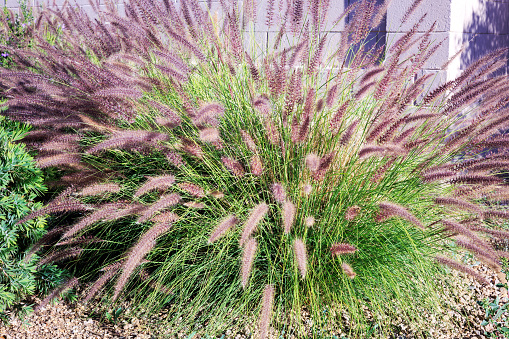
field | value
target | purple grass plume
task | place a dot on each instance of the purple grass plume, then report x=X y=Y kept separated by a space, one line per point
x=266 y=311
x=348 y=270
x=66 y=206
x=462 y=268
x=312 y=162
x=299 y=249
x=99 y=283
x=60 y=255
x=256 y=165
x=161 y=182
x=110 y=211
x=256 y=215
x=247 y=260
x=248 y=140
x=210 y=134
x=278 y=191
x=71 y=283
x=352 y=212
x=99 y=189
x=223 y=226
x=288 y=213
x=307 y=189
x=389 y=209
x=166 y=217
x=192 y=189
x=309 y=221
x=58 y=160
x=164 y=202
x=342 y=248
x=138 y=252
x=234 y=166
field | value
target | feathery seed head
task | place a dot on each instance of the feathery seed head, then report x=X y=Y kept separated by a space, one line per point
x=309 y=221
x=348 y=270
x=352 y=212
x=342 y=248
x=256 y=165
x=223 y=226
x=192 y=189
x=278 y=191
x=299 y=250
x=247 y=260
x=256 y=215
x=266 y=311
x=312 y=162
x=176 y=83
x=288 y=213
x=307 y=189
x=234 y=166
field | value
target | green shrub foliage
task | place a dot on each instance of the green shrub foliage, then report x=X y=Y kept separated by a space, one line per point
x=21 y=181
x=229 y=182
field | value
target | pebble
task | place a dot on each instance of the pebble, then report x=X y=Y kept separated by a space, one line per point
x=461 y=319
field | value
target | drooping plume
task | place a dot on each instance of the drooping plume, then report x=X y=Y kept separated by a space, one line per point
x=138 y=252
x=288 y=213
x=312 y=162
x=462 y=268
x=352 y=212
x=100 y=188
x=309 y=221
x=348 y=270
x=389 y=209
x=247 y=260
x=278 y=191
x=234 y=166
x=266 y=311
x=161 y=182
x=192 y=189
x=256 y=165
x=56 y=292
x=342 y=248
x=257 y=214
x=164 y=202
x=66 y=206
x=300 y=252
x=223 y=226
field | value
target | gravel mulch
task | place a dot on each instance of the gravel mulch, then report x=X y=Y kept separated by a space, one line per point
x=461 y=321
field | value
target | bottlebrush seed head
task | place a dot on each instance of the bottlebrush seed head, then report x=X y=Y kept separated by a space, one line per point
x=289 y=211
x=309 y=221
x=247 y=260
x=352 y=212
x=342 y=248
x=348 y=270
x=278 y=191
x=312 y=162
x=301 y=256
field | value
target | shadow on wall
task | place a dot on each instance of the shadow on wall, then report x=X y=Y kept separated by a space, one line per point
x=377 y=38
x=490 y=21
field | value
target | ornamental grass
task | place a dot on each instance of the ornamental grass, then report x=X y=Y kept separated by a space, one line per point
x=236 y=184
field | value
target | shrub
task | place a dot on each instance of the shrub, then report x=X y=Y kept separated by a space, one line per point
x=21 y=182
x=16 y=30
x=224 y=185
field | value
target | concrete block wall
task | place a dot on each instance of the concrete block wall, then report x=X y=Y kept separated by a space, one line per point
x=480 y=25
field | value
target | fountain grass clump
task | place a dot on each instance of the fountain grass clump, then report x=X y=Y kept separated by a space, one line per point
x=227 y=185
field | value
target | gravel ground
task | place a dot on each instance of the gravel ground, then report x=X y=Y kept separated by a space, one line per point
x=72 y=322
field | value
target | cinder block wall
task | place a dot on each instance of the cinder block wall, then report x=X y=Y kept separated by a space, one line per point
x=479 y=25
